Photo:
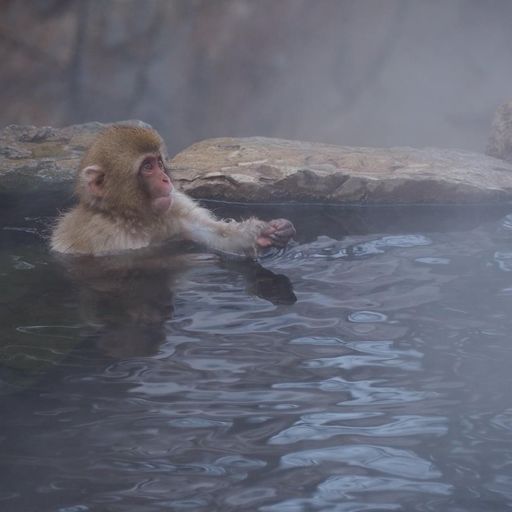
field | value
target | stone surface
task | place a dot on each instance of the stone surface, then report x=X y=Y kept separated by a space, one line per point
x=33 y=157
x=272 y=170
x=261 y=169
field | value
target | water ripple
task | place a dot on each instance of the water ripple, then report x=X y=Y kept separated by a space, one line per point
x=330 y=249
x=367 y=317
x=371 y=353
x=313 y=427
x=393 y=461
x=54 y=331
x=338 y=487
x=378 y=246
x=362 y=391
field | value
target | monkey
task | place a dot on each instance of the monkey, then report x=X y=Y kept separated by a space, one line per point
x=127 y=201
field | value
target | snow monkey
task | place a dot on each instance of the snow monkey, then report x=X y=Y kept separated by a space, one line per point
x=127 y=201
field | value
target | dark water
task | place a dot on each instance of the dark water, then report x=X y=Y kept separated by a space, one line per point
x=367 y=368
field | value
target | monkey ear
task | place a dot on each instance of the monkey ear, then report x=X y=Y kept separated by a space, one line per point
x=94 y=178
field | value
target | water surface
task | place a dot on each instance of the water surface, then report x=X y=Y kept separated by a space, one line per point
x=366 y=368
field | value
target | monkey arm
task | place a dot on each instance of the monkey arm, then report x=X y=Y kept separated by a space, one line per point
x=199 y=225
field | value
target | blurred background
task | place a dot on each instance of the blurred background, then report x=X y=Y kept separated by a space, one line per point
x=349 y=72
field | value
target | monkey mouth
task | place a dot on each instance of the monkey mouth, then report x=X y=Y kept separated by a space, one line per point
x=161 y=204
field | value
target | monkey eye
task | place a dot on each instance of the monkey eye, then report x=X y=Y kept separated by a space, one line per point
x=161 y=164
x=147 y=166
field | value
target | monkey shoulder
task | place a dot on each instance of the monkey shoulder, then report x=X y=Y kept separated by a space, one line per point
x=182 y=204
x=81 y=231
x=68 y=235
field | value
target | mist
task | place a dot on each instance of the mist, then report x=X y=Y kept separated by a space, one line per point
x=348 y=72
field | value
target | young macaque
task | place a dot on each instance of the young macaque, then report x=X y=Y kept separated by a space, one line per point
x=127 y=201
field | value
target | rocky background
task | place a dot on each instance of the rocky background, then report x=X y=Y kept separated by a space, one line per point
x=364 y=81
x=345 y=72
x=37 y=161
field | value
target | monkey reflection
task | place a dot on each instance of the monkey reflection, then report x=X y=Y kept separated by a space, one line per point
x=276 y=288
x=128 y=298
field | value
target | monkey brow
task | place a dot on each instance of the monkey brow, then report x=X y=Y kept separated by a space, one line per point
x=141 y=144
x=147 y=147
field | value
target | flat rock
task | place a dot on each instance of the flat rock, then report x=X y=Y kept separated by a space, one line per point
x=34 y=158
x=261 y=169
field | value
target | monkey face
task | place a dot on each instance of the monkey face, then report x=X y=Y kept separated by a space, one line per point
x=155 y=181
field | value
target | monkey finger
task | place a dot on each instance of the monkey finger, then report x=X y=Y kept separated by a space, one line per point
x=264 y=241
x=283 y=226
x=288 y=231
x=279 y=241
x=285 y=235
x=268 y=233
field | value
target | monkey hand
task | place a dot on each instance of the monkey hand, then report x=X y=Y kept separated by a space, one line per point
x=277 y=233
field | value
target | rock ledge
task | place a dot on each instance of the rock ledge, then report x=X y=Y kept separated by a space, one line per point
x=261 y=169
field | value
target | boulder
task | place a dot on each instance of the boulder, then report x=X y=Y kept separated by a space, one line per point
x=39 y=157
x=34 y=158
x=258 y=169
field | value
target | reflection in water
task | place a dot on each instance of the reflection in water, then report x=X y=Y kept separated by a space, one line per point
x=131 y=297
x=171 y=381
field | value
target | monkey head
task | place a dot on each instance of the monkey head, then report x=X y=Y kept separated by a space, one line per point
x=124 y=172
